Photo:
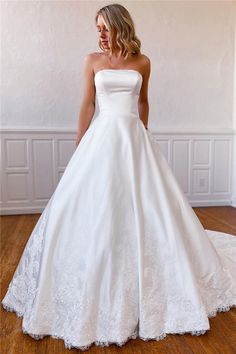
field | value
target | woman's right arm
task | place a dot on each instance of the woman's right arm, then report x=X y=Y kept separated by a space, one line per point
x=87 y=108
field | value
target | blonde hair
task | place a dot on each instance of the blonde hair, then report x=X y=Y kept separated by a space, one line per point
x=121 y=29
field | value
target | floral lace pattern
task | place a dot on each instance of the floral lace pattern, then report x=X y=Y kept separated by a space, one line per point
x=149 y=314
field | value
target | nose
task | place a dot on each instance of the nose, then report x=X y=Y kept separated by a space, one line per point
x=103 y=34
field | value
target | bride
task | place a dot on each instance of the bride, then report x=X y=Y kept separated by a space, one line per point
x=118 y=54
x=118 y=252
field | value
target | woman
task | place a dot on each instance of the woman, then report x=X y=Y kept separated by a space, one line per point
x=122 y=52
x=118 y=252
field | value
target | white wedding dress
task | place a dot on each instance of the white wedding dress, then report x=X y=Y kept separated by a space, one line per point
x=118 y=252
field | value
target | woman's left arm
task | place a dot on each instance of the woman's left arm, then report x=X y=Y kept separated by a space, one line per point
x=143 y=104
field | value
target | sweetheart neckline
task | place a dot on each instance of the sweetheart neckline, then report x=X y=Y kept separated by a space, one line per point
x=119 y=70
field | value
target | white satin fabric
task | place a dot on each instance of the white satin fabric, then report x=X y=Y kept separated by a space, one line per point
x=118 y=252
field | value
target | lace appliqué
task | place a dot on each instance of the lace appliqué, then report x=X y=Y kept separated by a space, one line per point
x=22 y=289
x=104 y=343
x=146 y=313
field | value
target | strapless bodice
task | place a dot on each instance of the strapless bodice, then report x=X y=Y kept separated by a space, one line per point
x=118 y=91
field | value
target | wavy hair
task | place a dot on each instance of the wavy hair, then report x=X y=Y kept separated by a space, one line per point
x=121 y=29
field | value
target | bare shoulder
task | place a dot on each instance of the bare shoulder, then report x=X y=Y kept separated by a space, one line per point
x=145 y=65
x=92 y=59
x=88 y=68
x=146 y=62
x=94 y=55
x=145 y=58
x=88 y=60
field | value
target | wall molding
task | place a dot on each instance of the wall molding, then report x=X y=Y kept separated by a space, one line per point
x=201 y=161
x=167 y=131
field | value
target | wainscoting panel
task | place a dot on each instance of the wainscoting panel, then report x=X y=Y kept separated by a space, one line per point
x=43 y=169
x=34 y=160
x=222 y=171
x=181 y=163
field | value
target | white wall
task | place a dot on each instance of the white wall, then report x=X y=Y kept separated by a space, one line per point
x=192 y=54
x=192 y=92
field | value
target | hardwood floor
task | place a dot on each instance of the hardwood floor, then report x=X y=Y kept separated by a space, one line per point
x=221 y=339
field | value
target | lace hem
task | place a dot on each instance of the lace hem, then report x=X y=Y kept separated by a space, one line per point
x=134 y=335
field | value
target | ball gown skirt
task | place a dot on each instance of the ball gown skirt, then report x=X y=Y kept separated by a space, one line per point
x=118 y=252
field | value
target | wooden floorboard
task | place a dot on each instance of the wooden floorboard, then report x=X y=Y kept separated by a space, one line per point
x=220 y=339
